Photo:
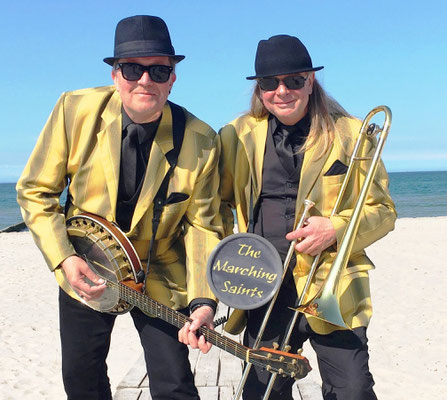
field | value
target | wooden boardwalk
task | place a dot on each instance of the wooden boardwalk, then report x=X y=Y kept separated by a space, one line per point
x=217 y=376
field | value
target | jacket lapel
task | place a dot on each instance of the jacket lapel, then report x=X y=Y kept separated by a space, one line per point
x=108 y=137
x=157 y=165
x=254 y=141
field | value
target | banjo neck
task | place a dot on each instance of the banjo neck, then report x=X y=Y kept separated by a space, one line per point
x=293 y=365
x=173 y=317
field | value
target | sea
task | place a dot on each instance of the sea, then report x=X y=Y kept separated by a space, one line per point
x=416 y=194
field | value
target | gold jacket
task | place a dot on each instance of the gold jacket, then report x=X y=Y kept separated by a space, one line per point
x=81 y=144
x=242 y=157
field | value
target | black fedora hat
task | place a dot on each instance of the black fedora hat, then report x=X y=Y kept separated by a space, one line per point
x=282 y=55
x=142 y=36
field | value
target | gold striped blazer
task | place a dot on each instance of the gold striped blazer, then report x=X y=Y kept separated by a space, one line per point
x=242 y=157
x=81 y=144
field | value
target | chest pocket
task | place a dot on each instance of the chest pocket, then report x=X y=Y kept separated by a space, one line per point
x=171 y=217
x=331 y=186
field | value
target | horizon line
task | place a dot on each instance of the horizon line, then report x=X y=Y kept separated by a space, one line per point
x=389 y=172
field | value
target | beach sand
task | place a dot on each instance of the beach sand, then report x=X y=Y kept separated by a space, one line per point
x=407 y=335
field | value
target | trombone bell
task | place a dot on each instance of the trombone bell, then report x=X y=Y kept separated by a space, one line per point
x=327 y=309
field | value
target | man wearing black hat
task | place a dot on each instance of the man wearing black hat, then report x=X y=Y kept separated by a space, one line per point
x=293 y=145
x=148 y=165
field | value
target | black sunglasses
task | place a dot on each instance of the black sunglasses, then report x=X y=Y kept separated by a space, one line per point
x=291 y=82
x=133 y=72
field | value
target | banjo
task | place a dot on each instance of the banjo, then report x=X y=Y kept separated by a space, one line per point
x=111 y=255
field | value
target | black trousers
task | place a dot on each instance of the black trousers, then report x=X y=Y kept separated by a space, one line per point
x=85 y=339
x=342 y=355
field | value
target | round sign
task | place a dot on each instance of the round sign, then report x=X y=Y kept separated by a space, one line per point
x=244 y=271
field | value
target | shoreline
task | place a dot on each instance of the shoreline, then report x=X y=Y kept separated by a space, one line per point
x=407 y=355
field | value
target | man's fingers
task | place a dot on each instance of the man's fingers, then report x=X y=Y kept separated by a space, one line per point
x=189 y=334
x=195 y=324
x=204 y=346
x=182 y=333
x=303 y=246
x=192 y=337
x=193 y=340
x=299 y=233
x=92 y=276
x=88 y=292
x=82 y=279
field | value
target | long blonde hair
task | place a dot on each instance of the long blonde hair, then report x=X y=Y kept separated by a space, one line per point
x=323 y=111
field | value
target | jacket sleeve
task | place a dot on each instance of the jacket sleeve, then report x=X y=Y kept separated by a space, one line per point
x=40 y=187
x=378 y=215
x=226 y=169
x=203 y=225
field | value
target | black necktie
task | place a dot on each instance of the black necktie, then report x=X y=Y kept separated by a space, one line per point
x=285 y=151
x=129 y=163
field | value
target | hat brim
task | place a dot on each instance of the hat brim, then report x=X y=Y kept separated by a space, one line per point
x=111 y=60
x=284 y=73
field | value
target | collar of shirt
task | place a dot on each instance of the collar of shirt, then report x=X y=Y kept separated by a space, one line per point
x=145 y=134
x=297 y=133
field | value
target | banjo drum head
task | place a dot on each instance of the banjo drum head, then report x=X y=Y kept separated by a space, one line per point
x=103 y=253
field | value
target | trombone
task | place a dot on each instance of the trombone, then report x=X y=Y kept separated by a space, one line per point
x=324 y=305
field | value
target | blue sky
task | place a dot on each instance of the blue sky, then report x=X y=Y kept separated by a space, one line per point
x=374 y=52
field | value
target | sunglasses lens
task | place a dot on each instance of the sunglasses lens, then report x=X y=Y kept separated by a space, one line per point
x=268 y=84
x=294 y=82
x=132 y=72
x=160 y=73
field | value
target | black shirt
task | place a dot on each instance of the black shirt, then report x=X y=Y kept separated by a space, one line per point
x=275 y=210
x=127 y=199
